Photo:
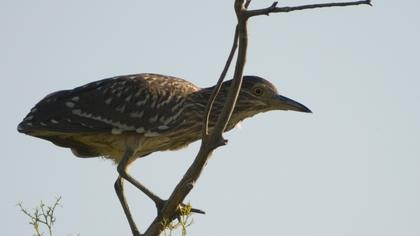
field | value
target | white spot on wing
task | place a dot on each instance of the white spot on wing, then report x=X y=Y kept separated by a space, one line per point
x=108 y=101
x=75 y=99
x=179 y=103
x=153 y=119
x=138 y=93
x=163 y=127
x=29 y=118
x=127 y=99
x=176 y=116
x=85 y=125
x=120 y=108
x=151 y=134
x=140 y=130
x=164 y=102
x=76 y=111
x=70 y=104
x=54 y=121
x=142 y=102
x=154 y=101
x=137 y=114
x=116 y=131
x=168 y=120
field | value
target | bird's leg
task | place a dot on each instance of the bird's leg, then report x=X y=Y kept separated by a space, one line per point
x=159 y=202
x=122 y=170
x=119 y=189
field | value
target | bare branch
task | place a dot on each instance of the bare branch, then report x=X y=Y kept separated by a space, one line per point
x=214 y=139
x=274 y=9
x=247 y=3
x=219 y=85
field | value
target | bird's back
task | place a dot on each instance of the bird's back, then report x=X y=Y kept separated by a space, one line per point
x=141 y=104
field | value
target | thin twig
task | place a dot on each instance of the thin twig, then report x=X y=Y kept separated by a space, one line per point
x=247 y=3
x=237 y=78
x=42 y=214
x=274 y=9
x=219 y=85
x=213 y=141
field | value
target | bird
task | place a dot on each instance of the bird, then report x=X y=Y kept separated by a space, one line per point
x=127 y=117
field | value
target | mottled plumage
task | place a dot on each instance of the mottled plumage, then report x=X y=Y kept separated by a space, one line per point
x=127 y=117
x=165 y=111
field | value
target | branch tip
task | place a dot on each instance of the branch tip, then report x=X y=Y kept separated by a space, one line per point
x=247 y=3
x=272 y=8
x=198 y=211
x=223 y=142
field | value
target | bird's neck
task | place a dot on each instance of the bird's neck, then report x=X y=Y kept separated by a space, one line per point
x=199 y=102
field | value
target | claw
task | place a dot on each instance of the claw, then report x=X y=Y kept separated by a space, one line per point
x=193 y=210
x=161 y=203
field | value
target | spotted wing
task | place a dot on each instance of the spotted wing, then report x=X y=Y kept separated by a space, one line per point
x=142 y=103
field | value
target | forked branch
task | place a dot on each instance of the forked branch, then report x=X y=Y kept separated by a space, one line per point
x=214 y=139
x=216 y=89
x=274 y=9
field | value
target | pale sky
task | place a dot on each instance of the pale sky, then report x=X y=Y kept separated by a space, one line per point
x=350 y=168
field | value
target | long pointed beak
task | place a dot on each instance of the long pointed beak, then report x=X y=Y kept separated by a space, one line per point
x=284 y=103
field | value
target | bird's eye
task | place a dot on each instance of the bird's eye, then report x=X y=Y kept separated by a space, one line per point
x=258 y=91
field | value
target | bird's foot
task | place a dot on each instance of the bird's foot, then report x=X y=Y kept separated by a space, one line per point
x=183 y=209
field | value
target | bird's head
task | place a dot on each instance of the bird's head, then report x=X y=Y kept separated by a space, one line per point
x=259 y=95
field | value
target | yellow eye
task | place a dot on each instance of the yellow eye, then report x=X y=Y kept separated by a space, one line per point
x=258 y=91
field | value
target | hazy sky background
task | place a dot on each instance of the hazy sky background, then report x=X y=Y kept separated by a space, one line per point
x=350 y=168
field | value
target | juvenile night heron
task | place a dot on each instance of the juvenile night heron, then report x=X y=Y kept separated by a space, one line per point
x=127 y=117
